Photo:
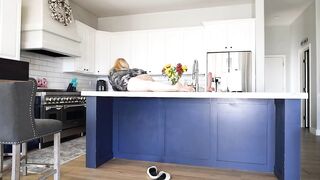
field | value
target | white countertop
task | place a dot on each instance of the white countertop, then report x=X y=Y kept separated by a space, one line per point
x=249 y=95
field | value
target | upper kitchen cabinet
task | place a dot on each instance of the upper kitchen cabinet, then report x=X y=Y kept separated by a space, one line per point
x=10 y=28
x=156 y=51
x=230 y=35
x=139 y=50
x=86 y=62
x=102 y=53
x=173 y=47
x=120 y=47
x=193 y=48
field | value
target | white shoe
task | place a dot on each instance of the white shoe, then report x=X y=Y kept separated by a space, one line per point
x=153 y=172
x=163 y=176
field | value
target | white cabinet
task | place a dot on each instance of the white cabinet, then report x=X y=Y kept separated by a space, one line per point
x=86 y=62
x=156 y=51
x=193 y=48
x=10 y=29
x=120 y=47
x=173 y=47
x=140 y=47
x=230 y=35
x=102 y=53
x=241 y=34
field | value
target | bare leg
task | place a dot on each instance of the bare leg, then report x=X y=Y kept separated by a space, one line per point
x=138 y=84
x=145 y=77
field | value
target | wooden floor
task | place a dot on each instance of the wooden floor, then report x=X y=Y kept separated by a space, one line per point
x=310 y=156
x=135 y=170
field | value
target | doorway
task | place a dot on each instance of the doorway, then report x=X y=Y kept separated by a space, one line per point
x=305 y=85
x=275 y=73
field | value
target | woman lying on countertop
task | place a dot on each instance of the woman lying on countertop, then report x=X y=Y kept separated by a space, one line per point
x=122 y=78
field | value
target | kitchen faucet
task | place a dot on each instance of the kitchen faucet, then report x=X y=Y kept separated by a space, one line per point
x=195 y=75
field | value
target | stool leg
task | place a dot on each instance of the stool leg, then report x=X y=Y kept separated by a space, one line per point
x=25 y=160
x=57 y=156
x=15 y=174
x=1 y=160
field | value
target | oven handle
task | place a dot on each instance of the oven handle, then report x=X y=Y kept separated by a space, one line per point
x=76 y=105
x=57 y=107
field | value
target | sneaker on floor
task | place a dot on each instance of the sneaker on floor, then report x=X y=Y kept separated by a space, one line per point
x=163 y=176
x=153 y=172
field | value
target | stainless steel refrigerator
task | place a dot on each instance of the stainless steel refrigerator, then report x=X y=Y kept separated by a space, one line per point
x=229 y=71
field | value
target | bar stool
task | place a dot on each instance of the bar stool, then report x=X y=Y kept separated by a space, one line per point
x=18 y=126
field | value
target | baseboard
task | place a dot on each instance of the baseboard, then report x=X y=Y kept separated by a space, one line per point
x=315 y=131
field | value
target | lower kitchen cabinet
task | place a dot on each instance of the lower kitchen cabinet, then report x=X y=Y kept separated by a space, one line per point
x=187 y=131
x=243 y=133
x=235 y=134
x=138 y=129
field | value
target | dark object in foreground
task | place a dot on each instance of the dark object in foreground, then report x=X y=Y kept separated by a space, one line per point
x=14 y=70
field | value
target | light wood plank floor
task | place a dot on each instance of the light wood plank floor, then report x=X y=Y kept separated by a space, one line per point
x=118 y=169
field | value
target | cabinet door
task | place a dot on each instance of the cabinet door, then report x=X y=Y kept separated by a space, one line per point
x=243 y=132
x=138 y=129
x=102 y=55
x=120 y=47
x=187 y=131
x=216 y=36
x=90 y=50
x=241 y=35
x=156 y=52
x=193 y=48
x=139 y=50
x=10 y=29
x=80 y=61
x=173 y=47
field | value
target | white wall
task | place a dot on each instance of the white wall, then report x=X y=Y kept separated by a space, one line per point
x=318 y=64
x=278 y=42
x=83 y=15
x=171 y=19
x=51 y=68
x=305 y=27
x=260 y=45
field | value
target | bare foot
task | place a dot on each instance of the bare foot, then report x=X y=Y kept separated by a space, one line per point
x=182 y=88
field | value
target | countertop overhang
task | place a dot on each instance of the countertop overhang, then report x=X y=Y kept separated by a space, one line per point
x=199 y=95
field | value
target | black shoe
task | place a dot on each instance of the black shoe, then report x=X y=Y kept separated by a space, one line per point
x=163 y=176
x=152 y=172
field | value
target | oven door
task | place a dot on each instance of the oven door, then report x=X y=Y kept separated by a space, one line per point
x=52 y=112
x=74 y=116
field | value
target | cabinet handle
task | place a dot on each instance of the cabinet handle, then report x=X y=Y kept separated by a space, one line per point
x=226 y=47
x=231 y=47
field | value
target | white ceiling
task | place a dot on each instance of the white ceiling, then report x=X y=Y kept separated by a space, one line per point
x=107 y=8
x=284 y=12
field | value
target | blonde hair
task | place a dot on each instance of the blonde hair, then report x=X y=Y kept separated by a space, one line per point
x=121 y=64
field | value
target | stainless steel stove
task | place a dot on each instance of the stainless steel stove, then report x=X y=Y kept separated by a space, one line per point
x=67 y=107
x=60 y=98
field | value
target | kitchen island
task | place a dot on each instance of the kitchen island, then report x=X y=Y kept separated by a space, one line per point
x=242 y=131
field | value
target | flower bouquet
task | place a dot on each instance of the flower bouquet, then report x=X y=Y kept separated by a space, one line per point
x=174 y=73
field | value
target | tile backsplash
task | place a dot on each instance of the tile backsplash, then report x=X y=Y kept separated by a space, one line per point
x=42 y=66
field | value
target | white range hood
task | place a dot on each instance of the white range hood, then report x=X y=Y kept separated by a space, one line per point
x=42 y=34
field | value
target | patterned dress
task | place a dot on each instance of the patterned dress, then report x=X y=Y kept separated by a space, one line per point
x=119 y=79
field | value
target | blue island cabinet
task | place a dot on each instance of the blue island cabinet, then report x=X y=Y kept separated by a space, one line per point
x=218 y=133
x=241 y=134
